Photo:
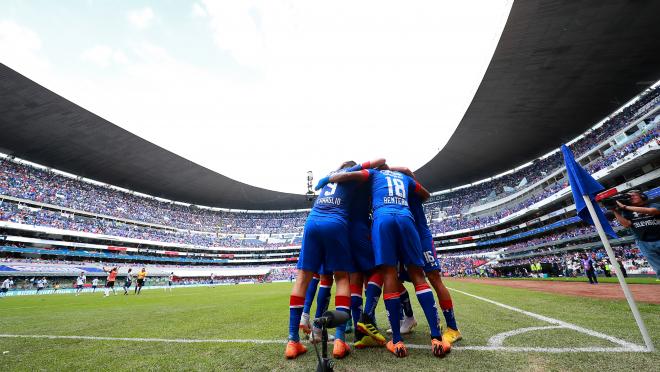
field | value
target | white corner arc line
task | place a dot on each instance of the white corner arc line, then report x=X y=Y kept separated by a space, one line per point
x=629 y=345
x=282 y=342
x=498 y=339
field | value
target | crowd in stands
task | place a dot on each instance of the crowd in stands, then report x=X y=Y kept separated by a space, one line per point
x=26 y=182
x=471 y=222
x=281 y=273
x=460 y=266
x=481 y=252
x=575 y=232
x=629 y=148
x=568 y=264
x=202 y=227
x=571 y=263
x=13 y=212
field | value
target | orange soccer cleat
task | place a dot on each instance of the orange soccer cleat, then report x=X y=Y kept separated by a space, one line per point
x=440 y=348
x=294 y=349
x=340 y=349
x=398 y=349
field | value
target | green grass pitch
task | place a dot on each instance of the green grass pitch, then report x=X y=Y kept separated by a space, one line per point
x=260 y=312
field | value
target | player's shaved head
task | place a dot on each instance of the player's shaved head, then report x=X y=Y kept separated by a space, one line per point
x=347 y=164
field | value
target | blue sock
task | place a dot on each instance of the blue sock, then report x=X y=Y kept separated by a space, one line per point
x=427 y=301
x=372 y=294
x=393 y=307
x=448 y=311
x=323 y=298
x=342 y=303
x=311 y=292
x=295 y=310
x=356 y=304
x=406 y=306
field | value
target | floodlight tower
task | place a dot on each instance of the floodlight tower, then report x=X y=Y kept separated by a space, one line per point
x=310 y=191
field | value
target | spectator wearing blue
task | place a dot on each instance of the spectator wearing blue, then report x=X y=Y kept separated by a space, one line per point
x=643 y=218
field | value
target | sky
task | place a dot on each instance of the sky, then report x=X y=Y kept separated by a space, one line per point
x=264 y=91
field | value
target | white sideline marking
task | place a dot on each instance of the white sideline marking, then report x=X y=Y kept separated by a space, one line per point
x=282 y=342
x=625 y=344
x=142 y=339
x=498 y=339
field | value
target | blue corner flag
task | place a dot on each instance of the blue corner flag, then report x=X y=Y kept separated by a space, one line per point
x=583 y=184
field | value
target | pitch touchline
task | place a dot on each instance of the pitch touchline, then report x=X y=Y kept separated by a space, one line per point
x=256 y=341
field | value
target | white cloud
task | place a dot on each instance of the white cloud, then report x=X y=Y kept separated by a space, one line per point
x=198 y=11
x=104 y=56
x=326 y=82
x=21 y=49
x=141 y=18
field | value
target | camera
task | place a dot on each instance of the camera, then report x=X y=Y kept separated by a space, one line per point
x=610 y=202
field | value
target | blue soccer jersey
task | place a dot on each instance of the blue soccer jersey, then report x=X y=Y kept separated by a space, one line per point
x=426 y=237
x=390 y=192
x=334 y=201
x=415 y=203
x=360 y=229
x=361 y=204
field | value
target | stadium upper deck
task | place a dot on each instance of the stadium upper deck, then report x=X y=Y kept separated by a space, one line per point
x=45 y=212
x=102 y=209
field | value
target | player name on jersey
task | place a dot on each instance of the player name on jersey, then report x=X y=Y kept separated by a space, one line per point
x=395 y=200
x=329 y=200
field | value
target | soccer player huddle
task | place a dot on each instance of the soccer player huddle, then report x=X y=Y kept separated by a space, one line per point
x=367 y=230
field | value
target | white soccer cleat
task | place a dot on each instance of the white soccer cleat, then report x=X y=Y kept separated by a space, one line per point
x=405 y=326
x=315 y=336
x=305 y=324
x=408 y=324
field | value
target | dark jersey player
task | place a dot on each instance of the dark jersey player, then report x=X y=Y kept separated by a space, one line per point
x=395 y=240
x=325 y=243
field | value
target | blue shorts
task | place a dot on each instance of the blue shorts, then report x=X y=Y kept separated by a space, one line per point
x=431 y=262
x=361 y=249
x=323 y=271
x=395 y=239
x=325 y=244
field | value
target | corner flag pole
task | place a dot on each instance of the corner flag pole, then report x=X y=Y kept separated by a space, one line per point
x=619 y=275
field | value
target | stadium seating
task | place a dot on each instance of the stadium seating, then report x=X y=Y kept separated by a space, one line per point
x=147 y=230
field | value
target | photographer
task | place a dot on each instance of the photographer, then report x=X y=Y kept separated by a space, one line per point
x=644 y=221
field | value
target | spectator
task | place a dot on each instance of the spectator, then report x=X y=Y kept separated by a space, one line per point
x=644 y=221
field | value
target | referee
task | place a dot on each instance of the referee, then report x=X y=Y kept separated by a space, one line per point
x=140 y=280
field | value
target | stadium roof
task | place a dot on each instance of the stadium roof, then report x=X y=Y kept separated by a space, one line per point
x=559 y=67
x=42 y=127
